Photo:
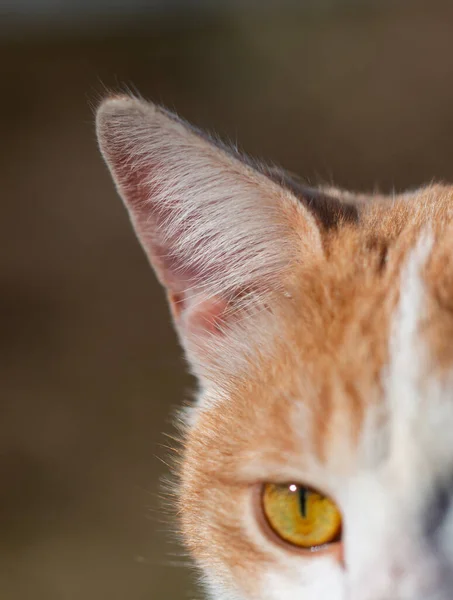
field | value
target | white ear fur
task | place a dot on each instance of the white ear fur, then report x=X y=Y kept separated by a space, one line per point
x=219 y=234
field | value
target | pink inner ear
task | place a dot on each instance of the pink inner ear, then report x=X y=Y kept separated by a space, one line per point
x=194 y=315
x=201 y=316
x=217 y=234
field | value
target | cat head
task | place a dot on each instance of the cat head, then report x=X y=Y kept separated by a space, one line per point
x=318 y=458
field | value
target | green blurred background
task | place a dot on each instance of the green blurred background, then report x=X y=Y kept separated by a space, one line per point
x=358 y=93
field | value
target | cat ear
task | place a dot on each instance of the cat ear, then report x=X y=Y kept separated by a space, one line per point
x=221 y=236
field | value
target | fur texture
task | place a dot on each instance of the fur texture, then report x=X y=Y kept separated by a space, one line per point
x=320 y=326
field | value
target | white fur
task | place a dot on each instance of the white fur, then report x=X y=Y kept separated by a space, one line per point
x=408 y=354
x=389 y=554
x=317 y=578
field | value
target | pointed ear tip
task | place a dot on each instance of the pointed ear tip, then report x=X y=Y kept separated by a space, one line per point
x=113 y=108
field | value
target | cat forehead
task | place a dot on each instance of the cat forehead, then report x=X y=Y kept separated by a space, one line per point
x=361 y=350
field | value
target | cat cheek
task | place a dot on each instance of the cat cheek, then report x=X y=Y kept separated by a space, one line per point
x=313 y=578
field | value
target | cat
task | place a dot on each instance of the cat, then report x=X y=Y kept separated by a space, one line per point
x=318 y=457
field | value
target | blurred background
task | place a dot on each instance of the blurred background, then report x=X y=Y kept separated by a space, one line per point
x=356 y=93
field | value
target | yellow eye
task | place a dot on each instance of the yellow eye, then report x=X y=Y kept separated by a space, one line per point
x=301 y=516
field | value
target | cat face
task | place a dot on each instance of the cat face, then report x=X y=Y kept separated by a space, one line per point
x=319 y=324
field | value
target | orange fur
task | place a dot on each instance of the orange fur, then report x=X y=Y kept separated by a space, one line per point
x=336 y=328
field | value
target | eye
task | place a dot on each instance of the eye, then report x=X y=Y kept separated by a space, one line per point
x=301 y=516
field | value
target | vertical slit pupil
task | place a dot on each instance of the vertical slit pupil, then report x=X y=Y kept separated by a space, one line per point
x=303 y=501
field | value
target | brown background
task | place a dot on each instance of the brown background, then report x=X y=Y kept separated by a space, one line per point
x=359 y=94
